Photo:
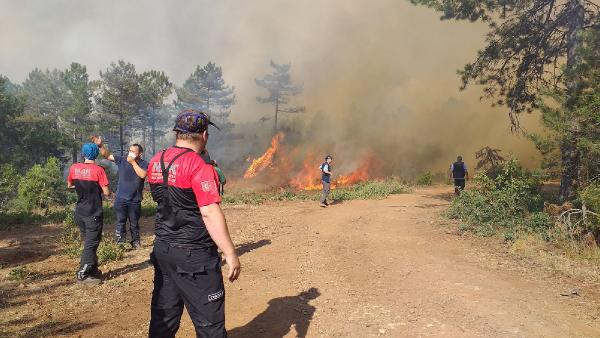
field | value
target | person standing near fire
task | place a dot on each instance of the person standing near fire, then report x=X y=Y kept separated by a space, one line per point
x=190 y=226
x=460 y=174
x=326 y=179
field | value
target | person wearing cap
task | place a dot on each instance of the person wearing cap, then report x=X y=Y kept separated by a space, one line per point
x=190 y=227
x=460 y=174
x=89 y=181
x=326 y=179
x=130 y=190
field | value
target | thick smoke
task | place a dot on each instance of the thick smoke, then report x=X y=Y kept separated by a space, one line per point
x=378 y=76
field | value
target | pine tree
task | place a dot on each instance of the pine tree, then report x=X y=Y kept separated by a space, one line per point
x=557 y=114
x=75 y=119
x=154 y=87
x=281 y=89
x=117 y=98
x=40 y=135
x=207 y=91
x=531 y=46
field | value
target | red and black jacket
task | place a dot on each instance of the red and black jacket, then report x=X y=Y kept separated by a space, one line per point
x=88 y=178
x=188 y=183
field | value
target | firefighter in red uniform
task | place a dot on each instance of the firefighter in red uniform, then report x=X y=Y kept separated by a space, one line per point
x=90 y=182
x=190 y=226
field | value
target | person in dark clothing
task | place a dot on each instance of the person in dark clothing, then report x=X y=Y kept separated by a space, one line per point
x=222 y=180
x=90 y=182
x=189 y=228
x=326 y=179
x=130 y=190
x=460 y=174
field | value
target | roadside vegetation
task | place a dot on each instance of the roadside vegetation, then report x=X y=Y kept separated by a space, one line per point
x=40 y=197
x=372 y=189
x=510 y=201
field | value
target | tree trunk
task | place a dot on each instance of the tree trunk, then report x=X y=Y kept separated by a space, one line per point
x=144 y=128
x=571 y=161
x=276 y=113
x=74 y=154
x=121 y=141
x=208 y=101
x=153 y=135
x=75 y=143
x=571 y=157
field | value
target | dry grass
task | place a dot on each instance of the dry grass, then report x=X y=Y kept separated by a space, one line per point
x=582 y=263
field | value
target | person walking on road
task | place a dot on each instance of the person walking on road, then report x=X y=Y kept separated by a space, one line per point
x=190 y=226
x=326 y=179
x=460 y=174
x=89 y=181
x=130 y=190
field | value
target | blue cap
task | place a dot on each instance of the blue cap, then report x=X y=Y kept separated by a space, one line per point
x=90 y=151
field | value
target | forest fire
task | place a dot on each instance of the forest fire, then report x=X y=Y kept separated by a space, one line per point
x=266 y=159
x=309 y=177
x=361 y=174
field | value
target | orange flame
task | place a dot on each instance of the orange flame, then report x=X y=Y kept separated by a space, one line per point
x=309 y=178
x=361 y=174
x=266 y=159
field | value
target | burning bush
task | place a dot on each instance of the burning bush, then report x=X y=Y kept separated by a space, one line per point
x=280 y=161
x=266 y=160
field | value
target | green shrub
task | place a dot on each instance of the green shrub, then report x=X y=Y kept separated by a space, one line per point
x=108 y=213
x=20 y=273
x=42 y=187
x=245 y=197
x=373 y=189
x=70 y=239
x=148 y=207
x=109 y=251
x=426 y=179
x=9 y=182
x=29 y=217
x=539 y=221
x=590 y=196
x=510 y=200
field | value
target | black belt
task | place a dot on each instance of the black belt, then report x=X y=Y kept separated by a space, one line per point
x=188 y=247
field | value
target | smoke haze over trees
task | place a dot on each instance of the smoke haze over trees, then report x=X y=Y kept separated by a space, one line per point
x=375 y=78
x=532 y=47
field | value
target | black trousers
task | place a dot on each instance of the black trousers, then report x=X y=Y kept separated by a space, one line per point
x=90 y=228
x=128 y=210
x=190 y=277
x=459 y=185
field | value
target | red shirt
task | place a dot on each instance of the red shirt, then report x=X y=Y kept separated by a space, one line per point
x=191 y=184
x=88 y=178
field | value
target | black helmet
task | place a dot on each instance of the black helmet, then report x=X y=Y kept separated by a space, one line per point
x=328 y=157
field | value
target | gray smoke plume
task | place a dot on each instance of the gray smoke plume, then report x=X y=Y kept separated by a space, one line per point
x=378 y=76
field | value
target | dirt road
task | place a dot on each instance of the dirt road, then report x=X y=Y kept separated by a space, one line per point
x=390 y=268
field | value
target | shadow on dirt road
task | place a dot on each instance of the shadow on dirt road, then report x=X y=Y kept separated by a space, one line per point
x=282 y=314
